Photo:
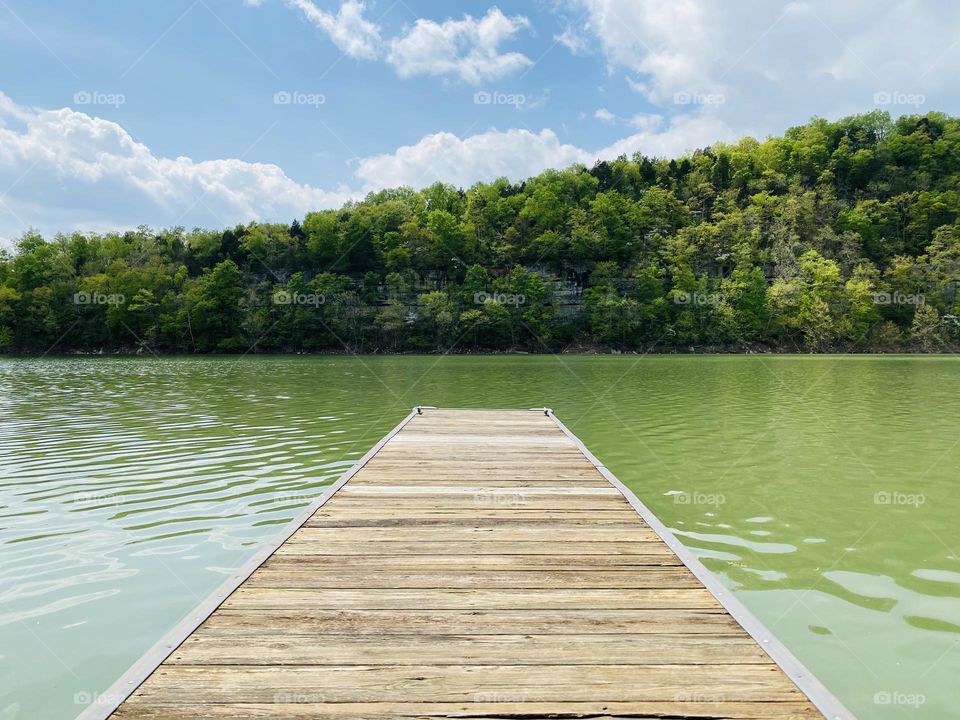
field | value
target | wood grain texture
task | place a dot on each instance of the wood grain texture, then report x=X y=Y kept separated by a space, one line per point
x=489 y=706
x=470 y=650
x=477 y=566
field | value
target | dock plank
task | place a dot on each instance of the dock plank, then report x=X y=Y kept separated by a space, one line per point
x=465 y=683
x=445 y=599
x=396 y=563
x=477 y=565
x=471 y=650
x=666 y=578
x=698 y=709
x=272 y=623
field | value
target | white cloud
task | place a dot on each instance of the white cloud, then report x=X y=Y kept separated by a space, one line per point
x=683 y=134
x=349 y=30
x=518 y=154
x=604 y=115
x=649 y=122
x=662 y=40
x=468 y=49
x=762 y=67
x=67 y=170
x=573 y=41
x=444 y=156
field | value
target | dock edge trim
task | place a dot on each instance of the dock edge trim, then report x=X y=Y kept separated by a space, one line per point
x=805 y=680
x=119 y=692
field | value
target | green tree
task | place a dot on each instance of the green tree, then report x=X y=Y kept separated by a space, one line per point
x=926 y=331
x=438 y=313
x=213 y=306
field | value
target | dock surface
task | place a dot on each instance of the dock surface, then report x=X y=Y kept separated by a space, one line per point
x=475 y=564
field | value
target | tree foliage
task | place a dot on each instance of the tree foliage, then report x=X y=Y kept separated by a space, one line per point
x=836 y=236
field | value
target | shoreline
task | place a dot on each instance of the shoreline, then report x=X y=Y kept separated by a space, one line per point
x=577 y=351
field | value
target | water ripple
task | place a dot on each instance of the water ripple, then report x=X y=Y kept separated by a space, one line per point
x=821 y=489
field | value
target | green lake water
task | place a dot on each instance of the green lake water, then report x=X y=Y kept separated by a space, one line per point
x=824 y=490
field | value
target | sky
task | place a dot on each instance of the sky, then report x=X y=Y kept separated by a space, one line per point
x=211 y=113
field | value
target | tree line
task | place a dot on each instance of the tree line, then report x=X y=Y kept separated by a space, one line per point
x=837 y=236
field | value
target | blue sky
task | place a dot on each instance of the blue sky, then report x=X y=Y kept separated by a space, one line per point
x=216 y=112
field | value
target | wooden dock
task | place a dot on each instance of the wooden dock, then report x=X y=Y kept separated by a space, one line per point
x=474 y=564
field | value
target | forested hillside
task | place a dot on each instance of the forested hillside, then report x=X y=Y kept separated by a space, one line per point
x=837 y=236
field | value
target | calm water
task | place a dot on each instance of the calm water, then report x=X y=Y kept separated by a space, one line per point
x=824 y=490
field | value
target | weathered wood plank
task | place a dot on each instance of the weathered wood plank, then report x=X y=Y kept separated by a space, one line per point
x=298 y=546
x=397 y=563
x=472 y=534
x=506 y=469
x=246 y=598
x=500 y=440
x=276 y=623
x=519 y=499
x=434 y=491
x=465 y=683
x=285 y=577
x=479 y=519
x=490 y=708
x=455 y=479
x=557 y=516
x=470 y=650
x=523 y=463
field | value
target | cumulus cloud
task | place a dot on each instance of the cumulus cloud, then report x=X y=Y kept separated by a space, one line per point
x=573 y=41
x=518 y=154
x=683 y=134
x=652 y=123
x=763 y=67
x=664 y=41
x=349 y=30
x=468 y=49
x=647 y=121
x=68 y=170
x=446 y=157
x=604 y=115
